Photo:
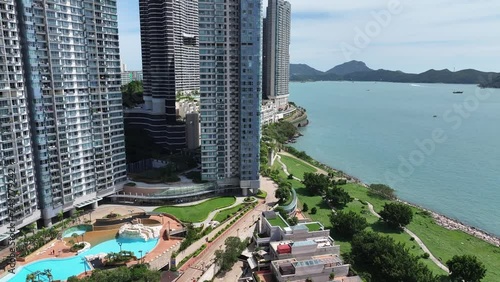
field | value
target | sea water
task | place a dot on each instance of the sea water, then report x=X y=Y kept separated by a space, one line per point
x=438 y=149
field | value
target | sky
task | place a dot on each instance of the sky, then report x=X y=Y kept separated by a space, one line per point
x=407 y=35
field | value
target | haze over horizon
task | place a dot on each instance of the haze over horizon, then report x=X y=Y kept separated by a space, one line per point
x=411 y=36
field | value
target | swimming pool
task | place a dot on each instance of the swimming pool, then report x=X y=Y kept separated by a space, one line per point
x=79 y=230
x=66 y=267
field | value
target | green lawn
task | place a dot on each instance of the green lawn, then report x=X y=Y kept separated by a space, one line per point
x=199 y=212
x=313 y=226
x=297 y=167
x=222 y=215
x=261 y=194
x=277 y=221
x=441 y=242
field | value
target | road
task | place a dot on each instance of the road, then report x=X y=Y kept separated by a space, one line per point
x=243 y=228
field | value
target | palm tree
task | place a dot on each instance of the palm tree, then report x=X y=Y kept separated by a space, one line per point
x=48 y=273
x=31 y=277
x=60 y=216
x=78 y=213
x=75 y=236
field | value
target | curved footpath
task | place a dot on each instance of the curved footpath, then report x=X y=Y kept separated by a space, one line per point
x=419 y=242
x=370 y=206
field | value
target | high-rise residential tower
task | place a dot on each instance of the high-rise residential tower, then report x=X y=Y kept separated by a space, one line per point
x=276 y=62
x=71 y=69
x=170 y=65
x=230 y=87
x=16 y=150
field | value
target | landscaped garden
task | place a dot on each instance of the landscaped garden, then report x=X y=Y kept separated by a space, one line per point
x=227 y=213
x=261 y=194
x=198 y=212
x=313 y=226
x=297 y=167
x=278 y=221
x=443 y=243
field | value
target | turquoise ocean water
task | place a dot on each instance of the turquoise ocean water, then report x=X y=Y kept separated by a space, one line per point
x=437 y=149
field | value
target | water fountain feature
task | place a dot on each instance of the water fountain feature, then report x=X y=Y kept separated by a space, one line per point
x=134 y=231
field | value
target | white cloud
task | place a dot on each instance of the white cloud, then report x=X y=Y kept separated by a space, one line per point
x=426 y=34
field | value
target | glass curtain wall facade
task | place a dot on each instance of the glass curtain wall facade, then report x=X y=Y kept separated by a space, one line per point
x=170 y=64
x=230 y=88
x=276 y=67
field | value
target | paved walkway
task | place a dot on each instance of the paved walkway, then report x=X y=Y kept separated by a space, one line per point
x=419 y=242
x=285 y=169
x=370 y=206
x=206 y=222
x=202 y=265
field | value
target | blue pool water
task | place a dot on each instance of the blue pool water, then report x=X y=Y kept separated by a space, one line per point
x=66 y=267
x=79 y=230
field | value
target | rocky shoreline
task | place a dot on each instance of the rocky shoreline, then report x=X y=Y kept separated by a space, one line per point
x=444 y=221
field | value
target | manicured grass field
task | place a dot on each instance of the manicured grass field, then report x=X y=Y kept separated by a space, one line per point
x=297 y=167
x=443 y=243
x=222 y=215
x=199 y=212
x=277 y=221
x=313 y=226
x=261 y=194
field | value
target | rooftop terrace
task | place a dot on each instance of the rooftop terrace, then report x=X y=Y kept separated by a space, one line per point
x=278 y=221
x=314 y=226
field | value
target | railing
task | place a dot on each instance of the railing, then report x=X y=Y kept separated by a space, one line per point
x=290 y=208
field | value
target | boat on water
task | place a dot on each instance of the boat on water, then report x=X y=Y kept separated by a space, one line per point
x=458 y=92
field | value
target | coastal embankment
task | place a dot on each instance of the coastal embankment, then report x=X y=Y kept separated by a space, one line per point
x=442 y=220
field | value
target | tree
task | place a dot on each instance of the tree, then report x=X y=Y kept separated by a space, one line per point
x=293 y=220
x=466 y=268
x=386 y=260
x=290 y=176
x=132 y=94
x=281 y=211
x=397 y=214
x=60 y=216
x=338 y=197
x=226 y=259
x=305 y=207
x=317 y=184
x=314 y=210
x=347 y=224
x=382 y=190
x=75 y=236
x=283 y=194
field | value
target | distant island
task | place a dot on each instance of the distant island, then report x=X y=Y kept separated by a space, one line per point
x=358 y=71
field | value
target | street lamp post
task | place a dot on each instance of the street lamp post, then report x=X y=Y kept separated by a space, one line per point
x=140 y=259
x=120 y=244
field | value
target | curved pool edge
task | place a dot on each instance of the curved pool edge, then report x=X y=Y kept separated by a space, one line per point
x=10 y=276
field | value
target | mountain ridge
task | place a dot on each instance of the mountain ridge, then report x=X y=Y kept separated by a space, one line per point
x=358 y=71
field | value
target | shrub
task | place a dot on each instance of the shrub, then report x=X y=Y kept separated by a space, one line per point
x=76 y=247
x=112 y=215
x=305 y=207
x=314 y=210
x=425 y=255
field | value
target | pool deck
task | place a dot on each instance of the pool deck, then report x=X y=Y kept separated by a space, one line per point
x=60 y=248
